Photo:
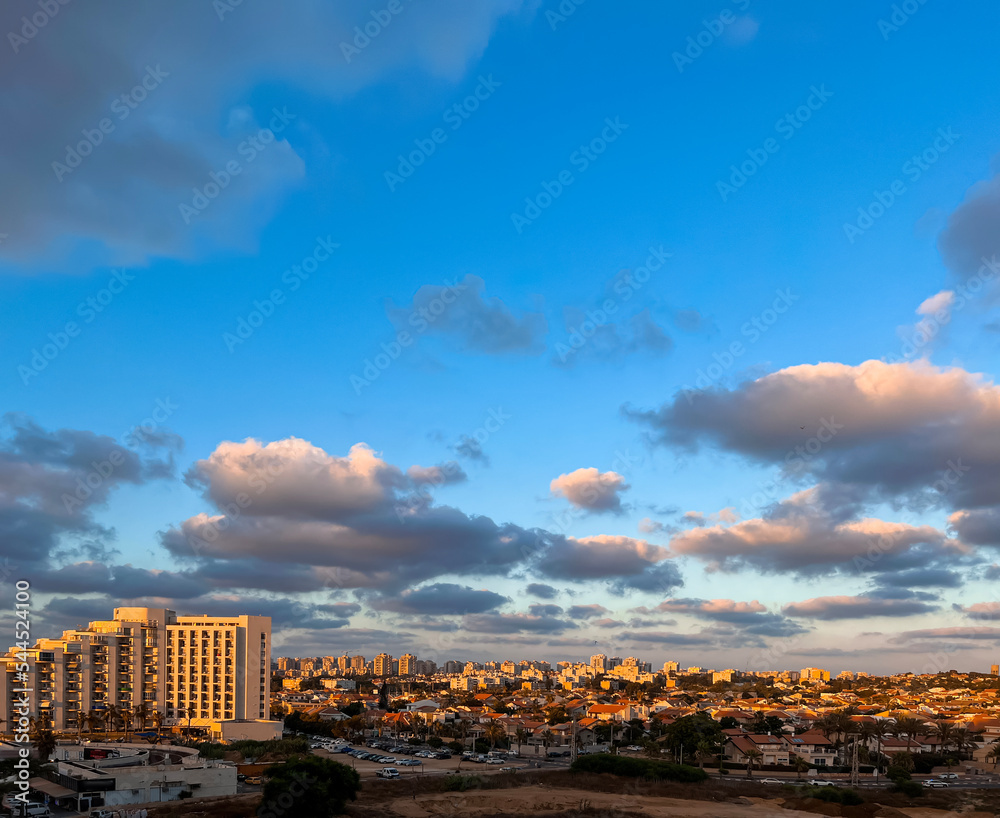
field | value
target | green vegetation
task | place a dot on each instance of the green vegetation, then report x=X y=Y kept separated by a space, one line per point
x=638 y=768
x=310 y=786
x=461 y=783
x=834 y=795
x=272 y=750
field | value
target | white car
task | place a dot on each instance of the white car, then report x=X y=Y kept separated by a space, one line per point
x=933 y=782
x=495 y=761
x=388 y=772
x=820 y=782
x=948 y=776
x=771 y=781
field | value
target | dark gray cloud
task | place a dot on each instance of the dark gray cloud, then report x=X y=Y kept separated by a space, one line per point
x=921 y=578
x=855 y=607
x=625 y=562
x=441 y=598
x=541 y=609
x=609 y=342
x=471 y=449
x=515 y=623
x=461 y=313
x=52 y=482
x=971 y=237
x=541 y=590
x=586 y=611
x=120 y=205
x=979 y=526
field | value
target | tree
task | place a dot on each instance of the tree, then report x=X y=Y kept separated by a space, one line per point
x=753 y=757
x=157 y=718
x=690 y=731
x=316 y=786
x=801 y=765
x=44 y=742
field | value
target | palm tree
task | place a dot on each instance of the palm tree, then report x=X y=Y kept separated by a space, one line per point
x=111 y=715
x=945 y=731
x=157 y=718
x=994 y=754
x=801 y=765
x=908 y=726
x=880 y=729
x=753 y=756
x=142 y=714
x=521 y=735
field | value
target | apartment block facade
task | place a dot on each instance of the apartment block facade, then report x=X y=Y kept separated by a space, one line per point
x=193 y=669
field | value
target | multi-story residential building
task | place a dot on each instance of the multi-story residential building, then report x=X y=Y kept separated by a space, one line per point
x=407 y=664
x=814 y=674
x=358 y=664
x=671 y=667
x=343 y=663
x=995 y=670
x=453 y=667
x=193 y=669
x=509 y=668
x=425 y=667
x=382 y=665
x=599 y=663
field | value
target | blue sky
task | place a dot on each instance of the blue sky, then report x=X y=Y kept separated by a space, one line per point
x=838 y=98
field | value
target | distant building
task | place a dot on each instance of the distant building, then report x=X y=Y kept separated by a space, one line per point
x=407 y=664
x=382 y=665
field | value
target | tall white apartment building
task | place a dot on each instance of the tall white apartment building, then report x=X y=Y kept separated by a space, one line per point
x=192 y=669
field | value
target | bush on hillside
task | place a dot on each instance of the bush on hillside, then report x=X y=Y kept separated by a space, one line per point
x=638 y=768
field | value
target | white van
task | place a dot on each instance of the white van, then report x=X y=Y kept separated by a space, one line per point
x=31 y=810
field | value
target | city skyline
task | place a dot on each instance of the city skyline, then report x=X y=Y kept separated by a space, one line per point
x=508 y=328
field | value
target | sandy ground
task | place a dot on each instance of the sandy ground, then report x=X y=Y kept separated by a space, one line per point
x=542 y=800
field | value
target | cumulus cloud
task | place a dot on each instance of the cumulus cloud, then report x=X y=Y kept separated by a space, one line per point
x=897 y=429
x=289 y=512
x=803 y=534
x=752 y=617
x=461 y=313
x=591 y=490
x=441 y=598
x=854 y=607
x=628 y=562
x=120 y=205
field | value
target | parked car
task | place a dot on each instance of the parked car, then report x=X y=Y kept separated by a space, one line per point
x=508 y=769
x=771 y=781
x=934 y=783
x=388 y=772
x=494 y=761
x=442 y=755
x=948 y=776
x=239 y=777
x=254 y=779
x=635 y=748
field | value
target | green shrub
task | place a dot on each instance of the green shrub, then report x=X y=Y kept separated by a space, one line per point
x=913 y=789
x=638 y=768
x=833 y=795
x=461 y=783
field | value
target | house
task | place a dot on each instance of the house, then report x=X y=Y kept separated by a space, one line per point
x=772 y=748
x=815 y=748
